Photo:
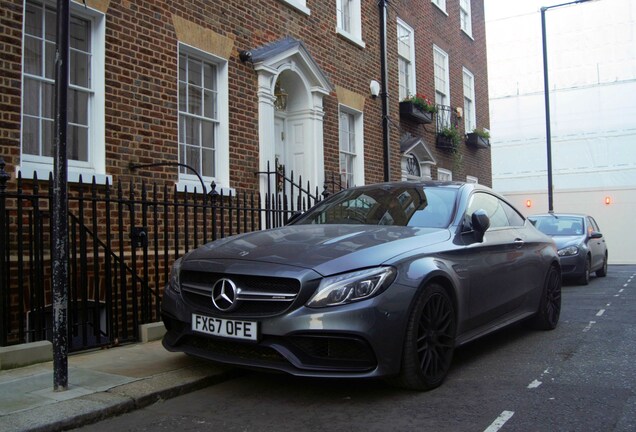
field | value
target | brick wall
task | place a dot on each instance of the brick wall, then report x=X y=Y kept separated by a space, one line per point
x=434 y=27
x=10 y=85
x=141 y=77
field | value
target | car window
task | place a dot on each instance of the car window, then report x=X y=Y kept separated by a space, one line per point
x=514 y=218
x=497 y=210
x=593 y=224
x=429 y=207
x=559 y=225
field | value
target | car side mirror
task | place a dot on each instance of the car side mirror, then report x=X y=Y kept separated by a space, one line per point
x=596 y=235
x=481 y=223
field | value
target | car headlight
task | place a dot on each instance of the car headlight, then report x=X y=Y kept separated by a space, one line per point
x=175 y=273
x=351 y=287
x=568 y=251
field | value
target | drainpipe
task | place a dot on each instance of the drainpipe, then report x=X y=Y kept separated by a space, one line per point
x=383 y=6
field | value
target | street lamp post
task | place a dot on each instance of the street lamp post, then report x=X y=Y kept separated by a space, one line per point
x=546 y=90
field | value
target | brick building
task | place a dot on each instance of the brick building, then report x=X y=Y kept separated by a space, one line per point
x=235 y=93
x=162 y=81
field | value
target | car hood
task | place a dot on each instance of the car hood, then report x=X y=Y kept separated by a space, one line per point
x=565 y=241
x=327 y=249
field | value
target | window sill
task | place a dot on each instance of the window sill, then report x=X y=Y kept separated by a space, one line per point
x=350 y=37
x=298 y=6
x=439 y=8
x=30 y=171
x=469 y=35
x=193 y=187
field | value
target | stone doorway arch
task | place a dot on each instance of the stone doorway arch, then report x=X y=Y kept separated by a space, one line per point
x=295 y=133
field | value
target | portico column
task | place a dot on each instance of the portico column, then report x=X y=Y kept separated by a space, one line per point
x=266 y=139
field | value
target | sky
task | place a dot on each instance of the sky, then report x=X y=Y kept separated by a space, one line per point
x=592 y=81
x=588 y=43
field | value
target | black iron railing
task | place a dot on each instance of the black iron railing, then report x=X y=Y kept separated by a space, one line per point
x=122 y=242
x=447 y=128
x=286 y=194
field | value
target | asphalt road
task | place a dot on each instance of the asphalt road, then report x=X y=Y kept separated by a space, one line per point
x=579 y=377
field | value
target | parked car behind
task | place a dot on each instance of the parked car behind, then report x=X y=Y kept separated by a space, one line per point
x=375 y=281
x=581 y=244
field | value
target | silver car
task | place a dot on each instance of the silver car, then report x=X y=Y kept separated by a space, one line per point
x=581 y=244
x=375 y=281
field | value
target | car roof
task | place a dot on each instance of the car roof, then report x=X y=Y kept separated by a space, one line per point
x=558 y=215
x=412 y=183
x=426 y=183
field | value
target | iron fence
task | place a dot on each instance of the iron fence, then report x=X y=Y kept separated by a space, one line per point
x=123 y=239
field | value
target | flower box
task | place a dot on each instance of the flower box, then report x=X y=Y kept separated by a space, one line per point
x=477 y=141
x=445 y=142
x=448 y=138
x=410 y=111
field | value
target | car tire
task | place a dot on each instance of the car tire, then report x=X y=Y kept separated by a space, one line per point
x=547 y=316
x=430 y=341
x=602 y=272
x=584 y=279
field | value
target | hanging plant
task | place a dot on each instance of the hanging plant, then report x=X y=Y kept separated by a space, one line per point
x=449 y=137
x=422 y=103
x=479 y=138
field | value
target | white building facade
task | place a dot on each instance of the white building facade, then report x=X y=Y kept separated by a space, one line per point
x=592 y=78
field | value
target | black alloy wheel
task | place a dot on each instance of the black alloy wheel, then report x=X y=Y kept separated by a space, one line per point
x=429 y=342
x=547 y=316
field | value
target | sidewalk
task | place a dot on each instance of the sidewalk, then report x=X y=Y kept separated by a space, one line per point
x=102 y=383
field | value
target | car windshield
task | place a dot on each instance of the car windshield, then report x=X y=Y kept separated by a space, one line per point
x=430 y=207
x=558 y=225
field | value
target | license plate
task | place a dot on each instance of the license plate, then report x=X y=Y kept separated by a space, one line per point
x=247 y=330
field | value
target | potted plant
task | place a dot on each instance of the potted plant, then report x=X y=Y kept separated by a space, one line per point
x=418 y=108
x=448 y=137
x=479 y=138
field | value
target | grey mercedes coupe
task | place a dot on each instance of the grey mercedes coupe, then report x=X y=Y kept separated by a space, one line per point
x=383 y=280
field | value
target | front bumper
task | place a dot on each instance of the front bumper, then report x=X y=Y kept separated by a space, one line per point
x=572 y=266
x=362 y=339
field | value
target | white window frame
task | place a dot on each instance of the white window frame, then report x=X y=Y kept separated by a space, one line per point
x=407 y=87
x=299 y=5
x=442 y=76
x=441 y=4
x=472 y=179
x=465 y=17
x=354 y=33
x=444 y=174
x=95 y=166
x=470 y=106
x=222 y=150
x=358 y=164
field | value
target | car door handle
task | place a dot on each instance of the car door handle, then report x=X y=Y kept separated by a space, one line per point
x=518 y=242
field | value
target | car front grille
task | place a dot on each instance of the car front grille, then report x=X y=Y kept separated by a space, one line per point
x=309 y=353
x=258 y=296
x=231 y=349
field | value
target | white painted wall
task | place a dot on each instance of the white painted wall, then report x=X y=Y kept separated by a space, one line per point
x=592 y=76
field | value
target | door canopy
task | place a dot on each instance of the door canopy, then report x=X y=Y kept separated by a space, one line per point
x=288 y=61
x=289 y=53
x=417 y=159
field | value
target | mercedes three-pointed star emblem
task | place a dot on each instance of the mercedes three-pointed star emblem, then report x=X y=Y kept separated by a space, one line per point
x=224 y=295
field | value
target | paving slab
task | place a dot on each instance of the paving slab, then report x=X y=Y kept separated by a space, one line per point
x=101 y=383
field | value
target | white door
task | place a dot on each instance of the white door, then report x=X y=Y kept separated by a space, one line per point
x=280 y=143
x=290 y=143
x=296 y=149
